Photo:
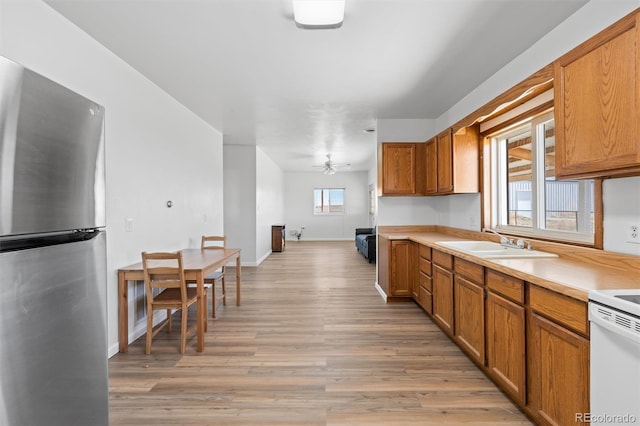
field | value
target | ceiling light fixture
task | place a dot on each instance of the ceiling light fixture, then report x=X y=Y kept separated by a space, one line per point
x=318 y=14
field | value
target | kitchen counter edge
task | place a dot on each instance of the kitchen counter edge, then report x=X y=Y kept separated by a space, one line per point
x=569 y=277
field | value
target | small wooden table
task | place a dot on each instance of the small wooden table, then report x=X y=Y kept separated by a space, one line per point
x=197 y=264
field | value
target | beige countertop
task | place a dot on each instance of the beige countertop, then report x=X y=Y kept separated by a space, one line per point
x=568 y=275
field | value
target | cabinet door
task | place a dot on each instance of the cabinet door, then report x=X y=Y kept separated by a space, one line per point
x=506 y=359
x=445 y=161
x=415 y=271
x=559 y=376
x=597 y=93
x=431 y=184
x=466 y=160
x=402 y=271
x=399 y=168
x=469 y=318
x=443 y=298
x=426 y=300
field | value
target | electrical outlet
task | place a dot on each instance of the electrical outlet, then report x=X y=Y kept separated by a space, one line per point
x=634 y=234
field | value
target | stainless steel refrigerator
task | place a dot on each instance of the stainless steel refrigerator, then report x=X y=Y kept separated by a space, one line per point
x=53 y=345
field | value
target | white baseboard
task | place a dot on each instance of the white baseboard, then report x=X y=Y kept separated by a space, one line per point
x=263 y=258
x=112 y=350
x=381 y=291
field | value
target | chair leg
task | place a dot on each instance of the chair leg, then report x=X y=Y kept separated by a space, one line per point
x=213 y=300
x=147 y=349
x=206 y=313
x=224 y=292
x=183 y=331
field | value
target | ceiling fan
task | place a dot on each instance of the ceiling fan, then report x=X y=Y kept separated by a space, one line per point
x=330 y=167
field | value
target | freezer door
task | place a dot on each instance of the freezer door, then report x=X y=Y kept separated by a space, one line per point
x=53 y=345
x=51 y=155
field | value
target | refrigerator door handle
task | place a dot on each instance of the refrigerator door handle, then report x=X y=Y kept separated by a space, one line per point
x=10 y=91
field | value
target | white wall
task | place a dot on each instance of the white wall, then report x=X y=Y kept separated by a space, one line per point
x=405 y=130
x=298 y=198
x=240 y=200
x=621 y=210
x=269 y=202
x=253 y=199
x=460 y=211
x=156 y=150
x=372 y=181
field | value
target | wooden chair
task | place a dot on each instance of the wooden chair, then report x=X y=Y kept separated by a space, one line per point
x=215 y=243
x=165 y=271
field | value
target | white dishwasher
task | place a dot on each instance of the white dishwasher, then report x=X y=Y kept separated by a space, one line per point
x=615 y=357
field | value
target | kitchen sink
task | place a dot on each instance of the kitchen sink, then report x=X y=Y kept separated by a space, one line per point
x=491 y=250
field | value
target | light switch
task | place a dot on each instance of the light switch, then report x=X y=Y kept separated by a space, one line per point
x=128 y=225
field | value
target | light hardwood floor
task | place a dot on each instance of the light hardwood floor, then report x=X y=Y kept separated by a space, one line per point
x=312 y=344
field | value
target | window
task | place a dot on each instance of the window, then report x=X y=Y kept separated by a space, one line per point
x=527 y=198
x=328 y=201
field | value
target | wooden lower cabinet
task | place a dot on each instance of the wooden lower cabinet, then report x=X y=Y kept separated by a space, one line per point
x=530 y=340
x=424 y=283
x=469 y=318
x=415 y=288
x=425 y=299
x=558 y=374
x=506 y=356
x=402 y=271
x=443 y=298
x=396 y=271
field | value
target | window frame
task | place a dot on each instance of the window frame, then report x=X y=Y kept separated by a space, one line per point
x=329 y=213
x=491 y=186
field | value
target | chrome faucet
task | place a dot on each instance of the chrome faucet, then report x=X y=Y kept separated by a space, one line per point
x=508 y=242
x=504 y=241
x=522 y=244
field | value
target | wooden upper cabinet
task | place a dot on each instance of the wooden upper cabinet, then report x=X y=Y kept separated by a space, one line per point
x=431 y=172
x=445 y=164
x=444 y=148
x=452 y=162
x=402 y=169
x=597 y=104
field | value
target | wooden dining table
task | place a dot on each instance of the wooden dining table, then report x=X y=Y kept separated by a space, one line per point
x=197 y=264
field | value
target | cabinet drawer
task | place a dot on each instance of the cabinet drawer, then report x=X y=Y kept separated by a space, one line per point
x=510 y=287
x=443 y=259
x=426 y=282
x=567 y=311
x=425 y=252
x=473 y=272
x=425 y=266
x=426 y=300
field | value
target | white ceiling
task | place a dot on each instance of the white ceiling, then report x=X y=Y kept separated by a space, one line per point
x=244 y=66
